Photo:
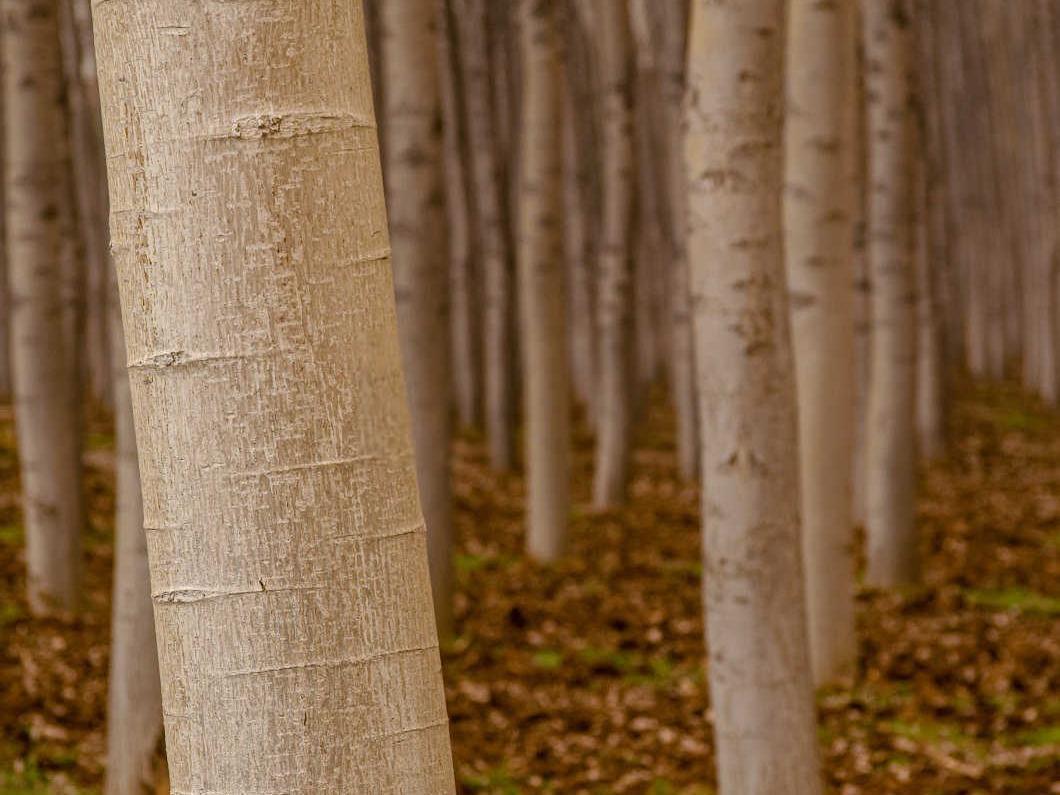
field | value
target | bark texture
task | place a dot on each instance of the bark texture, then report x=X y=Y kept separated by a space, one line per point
x=541 y=283
x=891 y=441
x=819 y=252
x=614 y=305
x=416 y=205
x=759 y=669
x=296 y=638
x=38 y=191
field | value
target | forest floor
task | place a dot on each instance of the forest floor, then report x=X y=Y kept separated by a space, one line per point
x=589 y=677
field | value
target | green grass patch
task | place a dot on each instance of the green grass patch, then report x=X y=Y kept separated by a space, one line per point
x=11 y=534
x=549 y=659
x=493 y=782
x=1014 y=599
x=1047 y=735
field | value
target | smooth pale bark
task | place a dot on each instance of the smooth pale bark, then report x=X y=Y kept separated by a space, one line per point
x=415 y=184
x=465 y=318
x=490 y=216
x=819 y=251
x=673 y=26
x=929 y=375
x=296 y=635
x=134 y=698
x=614 y=305
x=37 y=192
x=759 y=668
x=891 y=442
x=541 y=288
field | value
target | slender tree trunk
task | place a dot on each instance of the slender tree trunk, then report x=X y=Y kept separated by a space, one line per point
x=929 y=372
x=819 y=251
x=760 y=679
x=541 y=288
x=490 y=214
x=891 y=443
x=615 y=273
x=416 y=206
x=465 y=325
x=672 y=52
x=134 y=706
x=296 y=638
x=37 y=192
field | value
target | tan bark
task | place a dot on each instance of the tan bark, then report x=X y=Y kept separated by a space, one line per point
x=296 y=638
x=541 y=288
x=490 y=214
x=614 y=308
x=819 y=251
x=416 y=207
x=39 y=245
x=759 y=668
x=891 y=442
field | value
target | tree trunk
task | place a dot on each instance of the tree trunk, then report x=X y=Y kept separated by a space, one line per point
x=416 y=206
x=891 y=442
x=759 y=668
x=134 y=700
x=465 y=325
x=672 y=58
x=297 y=643
x=819 y=251
x=614 y=308
x=490 y=214
x=541 y=288
x=37 y=192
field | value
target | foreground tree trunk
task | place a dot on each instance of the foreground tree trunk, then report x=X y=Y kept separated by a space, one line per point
x=37 y=192
x=415 y=204
x=891 y=442
x=819 y=252
x=541 y=288
x=296 y=638
x=760 y=680
x=614 y=308
x=134 y=703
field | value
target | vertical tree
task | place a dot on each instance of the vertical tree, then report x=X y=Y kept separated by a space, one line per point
x=614 y=304
x=297 y=644
x=134 y=703
x=819 y=251
x=673 y=27
x=465 y=326
x=37 y=193
x=541 y=288
x=760 y=680
x=416 y=206
x=490 y=215
x=891 y=441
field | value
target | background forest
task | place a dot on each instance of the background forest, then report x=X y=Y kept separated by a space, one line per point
x=510 y=396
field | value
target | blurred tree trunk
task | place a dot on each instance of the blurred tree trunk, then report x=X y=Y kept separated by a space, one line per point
x=41 y=272
x=134 y=702
x=891 y=442
x=465 y=317
x=490 y=213
x=541 y=288
x=819 y=252
x=578 y=215
x=416 y=207
x=614 y=308
x=296 y=638
x=759 y=668
x=673 y=27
